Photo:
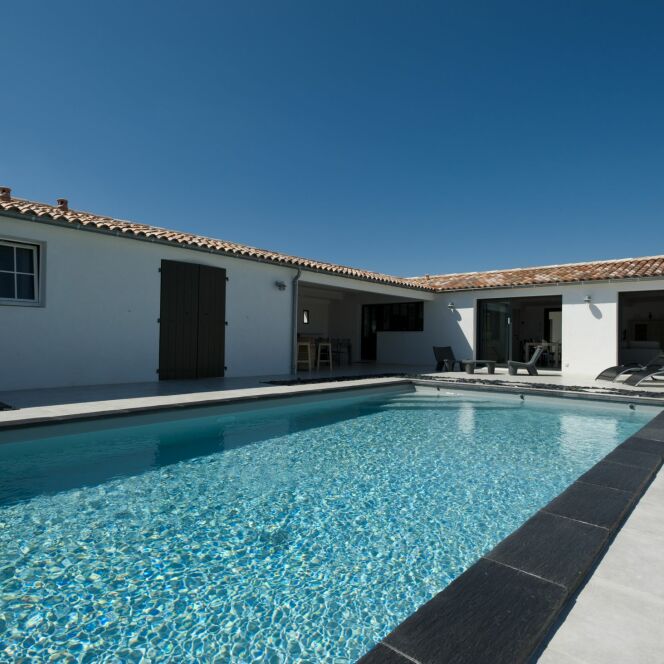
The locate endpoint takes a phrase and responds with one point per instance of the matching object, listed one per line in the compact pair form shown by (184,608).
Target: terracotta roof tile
(623,268)
(133,229)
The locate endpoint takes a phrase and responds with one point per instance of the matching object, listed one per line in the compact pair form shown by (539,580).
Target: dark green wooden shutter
(192,321)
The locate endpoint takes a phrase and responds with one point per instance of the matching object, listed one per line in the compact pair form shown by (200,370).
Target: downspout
(296,278)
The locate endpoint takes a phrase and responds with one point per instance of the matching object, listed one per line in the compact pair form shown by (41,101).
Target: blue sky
(407,137)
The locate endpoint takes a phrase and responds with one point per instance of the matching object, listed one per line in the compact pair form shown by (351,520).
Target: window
(19,272)
(402,317)
(305,316)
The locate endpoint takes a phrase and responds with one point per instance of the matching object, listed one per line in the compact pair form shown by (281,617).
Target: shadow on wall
(595,311)
(453,335)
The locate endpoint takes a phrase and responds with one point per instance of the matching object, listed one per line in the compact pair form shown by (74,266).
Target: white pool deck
(87,401)
(61,402)
(617,617)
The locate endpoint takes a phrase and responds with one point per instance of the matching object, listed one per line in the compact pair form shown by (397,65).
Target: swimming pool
(297,533)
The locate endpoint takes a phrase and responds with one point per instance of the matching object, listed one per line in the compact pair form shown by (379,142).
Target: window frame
(38,249)
(400,316)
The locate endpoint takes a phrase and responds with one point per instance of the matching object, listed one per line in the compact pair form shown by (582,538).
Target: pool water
(291,534)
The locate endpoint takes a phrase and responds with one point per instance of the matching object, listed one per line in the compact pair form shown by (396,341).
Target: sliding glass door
(494,334)
(513,328)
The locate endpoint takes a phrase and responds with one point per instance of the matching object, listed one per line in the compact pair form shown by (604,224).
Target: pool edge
(636,398)
(89,411)
(503,608)
(171,402)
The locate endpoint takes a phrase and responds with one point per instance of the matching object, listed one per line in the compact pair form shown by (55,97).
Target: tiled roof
(131,229)
(624,268)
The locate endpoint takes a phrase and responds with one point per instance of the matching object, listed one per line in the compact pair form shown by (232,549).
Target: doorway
(641,325)
(495,325)
(192,321)
(511,329)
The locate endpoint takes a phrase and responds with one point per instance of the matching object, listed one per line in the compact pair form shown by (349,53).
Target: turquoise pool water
(292,534)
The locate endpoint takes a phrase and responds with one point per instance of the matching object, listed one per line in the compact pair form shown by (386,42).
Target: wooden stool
(304,355)
(324,354)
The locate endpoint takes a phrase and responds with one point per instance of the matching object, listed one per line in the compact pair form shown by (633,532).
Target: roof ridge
(538,267)
(638,267)
(25,206)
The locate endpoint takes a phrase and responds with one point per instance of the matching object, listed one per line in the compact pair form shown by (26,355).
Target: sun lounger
(445,360)
(651,371)
(513,366)
(613,373)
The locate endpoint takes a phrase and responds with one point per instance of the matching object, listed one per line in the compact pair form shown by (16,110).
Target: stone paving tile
(630,564)
(639,444)
(618,615)
(597,505)
(491,613)
(617,476)
(654,430)
(554,656)
(383,655)
(648,517)
(552,547)
(634,458)
(611,625)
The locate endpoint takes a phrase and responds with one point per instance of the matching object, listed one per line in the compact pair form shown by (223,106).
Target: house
(87,299)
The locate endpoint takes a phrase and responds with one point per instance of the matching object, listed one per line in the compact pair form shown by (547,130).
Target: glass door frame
(502,328)
(481,339)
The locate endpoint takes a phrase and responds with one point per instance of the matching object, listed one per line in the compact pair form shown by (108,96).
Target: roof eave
(74,225)
(579,282)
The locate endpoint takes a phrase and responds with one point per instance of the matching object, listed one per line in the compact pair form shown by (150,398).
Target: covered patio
(346,321)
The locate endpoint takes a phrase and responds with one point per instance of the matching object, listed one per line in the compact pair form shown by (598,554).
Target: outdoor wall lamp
(588,299)
(281,285)
(450,306)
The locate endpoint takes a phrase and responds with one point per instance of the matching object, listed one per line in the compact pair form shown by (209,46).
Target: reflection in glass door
(494,332)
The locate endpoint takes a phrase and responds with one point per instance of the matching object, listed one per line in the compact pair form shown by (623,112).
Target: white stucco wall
(442,327)
(589,331)
(99,324)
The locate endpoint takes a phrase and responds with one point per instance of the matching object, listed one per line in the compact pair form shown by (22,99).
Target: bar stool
(304,355)
(324,354)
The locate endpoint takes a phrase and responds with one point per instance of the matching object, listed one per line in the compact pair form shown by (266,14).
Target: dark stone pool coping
(503,607)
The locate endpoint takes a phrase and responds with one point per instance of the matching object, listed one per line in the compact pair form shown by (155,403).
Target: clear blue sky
(407,137)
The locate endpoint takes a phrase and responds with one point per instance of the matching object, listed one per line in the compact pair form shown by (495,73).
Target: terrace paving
(550,377)
(53,404)
(618,616)
(57,402)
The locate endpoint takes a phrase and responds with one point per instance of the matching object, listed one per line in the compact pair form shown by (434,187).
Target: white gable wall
(99,319)
(98,323)
(589,335)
